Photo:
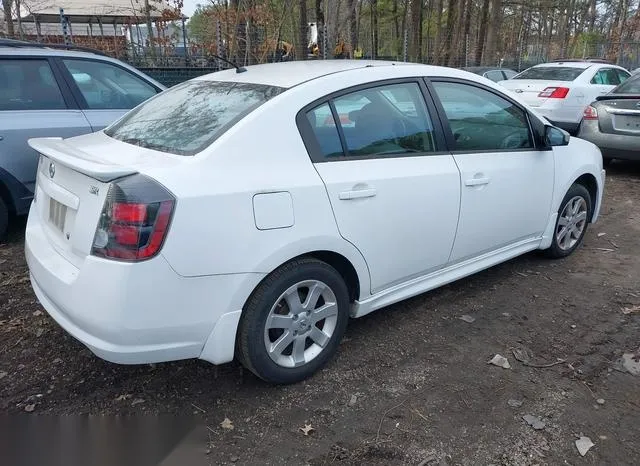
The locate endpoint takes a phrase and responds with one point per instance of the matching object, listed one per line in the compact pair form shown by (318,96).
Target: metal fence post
(64,25)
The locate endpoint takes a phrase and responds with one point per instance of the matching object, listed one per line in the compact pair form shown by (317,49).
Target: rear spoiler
(60,151)
(618,96)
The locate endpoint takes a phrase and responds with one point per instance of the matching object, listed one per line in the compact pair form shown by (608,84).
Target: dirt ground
(410,385)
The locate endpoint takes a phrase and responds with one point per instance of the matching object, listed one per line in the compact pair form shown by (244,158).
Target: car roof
(46,52)
(290,74)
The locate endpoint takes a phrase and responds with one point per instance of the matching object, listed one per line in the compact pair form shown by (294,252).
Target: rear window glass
(551,73)
(187,118)
(630,86)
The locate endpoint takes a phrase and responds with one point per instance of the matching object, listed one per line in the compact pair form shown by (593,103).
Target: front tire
(293,322)
(571,225)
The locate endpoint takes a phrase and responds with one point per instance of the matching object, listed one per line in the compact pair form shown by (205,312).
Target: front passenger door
(507,184)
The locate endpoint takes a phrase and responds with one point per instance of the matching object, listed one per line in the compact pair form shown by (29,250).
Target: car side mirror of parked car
(554,136)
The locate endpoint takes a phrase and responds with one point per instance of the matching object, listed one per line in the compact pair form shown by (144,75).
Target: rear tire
(571,225)
(4,220)
(293,322)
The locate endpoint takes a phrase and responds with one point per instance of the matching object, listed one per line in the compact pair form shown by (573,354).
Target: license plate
(626,123)
(57,214)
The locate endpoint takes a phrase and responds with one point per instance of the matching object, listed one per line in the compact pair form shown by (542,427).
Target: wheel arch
(591,184)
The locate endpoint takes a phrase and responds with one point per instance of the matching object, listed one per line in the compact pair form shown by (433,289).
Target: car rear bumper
(611,145)
(135,313)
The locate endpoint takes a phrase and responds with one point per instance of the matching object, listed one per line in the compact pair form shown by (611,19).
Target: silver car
(49,92)
(612,122)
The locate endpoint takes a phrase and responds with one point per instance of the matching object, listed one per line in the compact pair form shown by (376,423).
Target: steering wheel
(512,140)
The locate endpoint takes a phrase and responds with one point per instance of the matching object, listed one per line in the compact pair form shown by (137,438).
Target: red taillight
(590,113)
(130,213)
(554,92)
(134,221)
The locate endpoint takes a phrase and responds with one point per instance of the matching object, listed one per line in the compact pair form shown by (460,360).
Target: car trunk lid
(619,114)
(528,90)
(71,188)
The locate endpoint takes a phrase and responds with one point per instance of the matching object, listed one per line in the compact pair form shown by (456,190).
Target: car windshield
(187,118)
(551,73)
(630,86)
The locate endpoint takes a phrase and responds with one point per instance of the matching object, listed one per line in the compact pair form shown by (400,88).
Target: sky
(190,6)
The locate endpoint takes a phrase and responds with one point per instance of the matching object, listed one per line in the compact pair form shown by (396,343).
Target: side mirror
(554,136)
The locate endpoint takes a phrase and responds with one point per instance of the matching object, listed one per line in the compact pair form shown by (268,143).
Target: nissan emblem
(52,170)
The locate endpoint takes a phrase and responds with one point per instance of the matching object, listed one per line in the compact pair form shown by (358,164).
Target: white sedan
(562,90)
(250,214)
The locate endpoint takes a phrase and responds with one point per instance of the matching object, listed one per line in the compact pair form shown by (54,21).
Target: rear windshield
(551,73)
(188,117)
(630,86)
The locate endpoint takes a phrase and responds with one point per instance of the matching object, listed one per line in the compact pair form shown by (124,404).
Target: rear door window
(386,120)
(495,75)
(188,117)
(29,85)
(630,86)
(108,87)
(606,77)
(551,73)
(622,75)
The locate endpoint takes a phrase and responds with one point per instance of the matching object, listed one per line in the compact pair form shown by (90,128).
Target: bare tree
(7,6)
(302,32)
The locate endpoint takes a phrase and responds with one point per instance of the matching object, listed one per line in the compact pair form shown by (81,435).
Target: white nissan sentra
(250,213)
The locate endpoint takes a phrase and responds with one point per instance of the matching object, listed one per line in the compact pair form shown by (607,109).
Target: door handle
(476,182)
(357,194)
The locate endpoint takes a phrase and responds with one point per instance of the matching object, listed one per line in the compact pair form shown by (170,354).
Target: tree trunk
(320,26)
(352,24)
(495,24)
(302,32)
(415,21)
(451,20)
(437,43)
(8,16)
(374,27)
(484,17)
(396,26)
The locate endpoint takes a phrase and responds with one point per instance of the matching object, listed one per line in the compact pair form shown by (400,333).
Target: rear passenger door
(394,189)
(105,91)
(603,82)
(34,102)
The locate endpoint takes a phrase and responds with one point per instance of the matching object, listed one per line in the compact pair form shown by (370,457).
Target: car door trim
(311,143)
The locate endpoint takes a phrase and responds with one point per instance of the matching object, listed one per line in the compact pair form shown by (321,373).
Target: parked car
(47,91)
(494,74)
(560,91)
(612,122)
(249,214)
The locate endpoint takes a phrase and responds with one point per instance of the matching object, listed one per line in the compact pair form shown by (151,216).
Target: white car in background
(249,214)
(560,91)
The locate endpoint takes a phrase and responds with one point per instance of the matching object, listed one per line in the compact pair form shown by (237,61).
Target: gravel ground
(411,383)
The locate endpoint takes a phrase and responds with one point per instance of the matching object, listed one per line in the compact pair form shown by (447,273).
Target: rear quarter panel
(214,230)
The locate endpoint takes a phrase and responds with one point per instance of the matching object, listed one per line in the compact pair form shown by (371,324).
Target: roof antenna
(239,69)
